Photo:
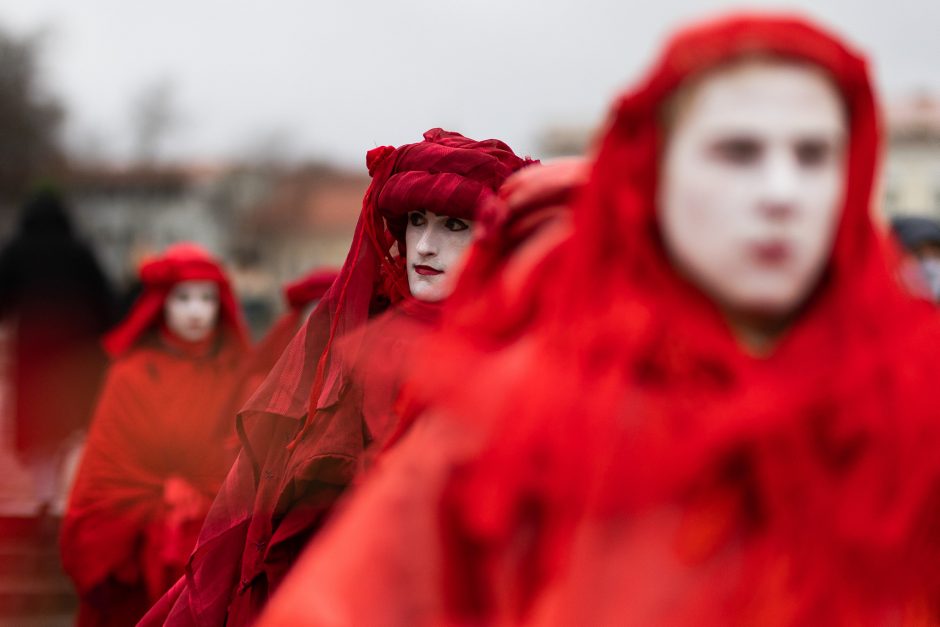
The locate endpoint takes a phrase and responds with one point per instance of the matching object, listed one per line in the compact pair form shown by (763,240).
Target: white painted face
(435,246)
(191,309)
(752,186)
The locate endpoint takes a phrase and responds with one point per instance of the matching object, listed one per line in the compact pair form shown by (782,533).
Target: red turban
(309,288)
(446,172)
(181,262)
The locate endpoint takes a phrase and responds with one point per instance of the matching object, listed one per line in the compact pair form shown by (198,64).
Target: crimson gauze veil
(305,430)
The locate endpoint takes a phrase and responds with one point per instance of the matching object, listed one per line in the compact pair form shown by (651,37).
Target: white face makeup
(192,309)
(435,246)
(753,178)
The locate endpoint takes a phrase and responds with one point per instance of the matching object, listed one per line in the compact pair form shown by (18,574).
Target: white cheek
(703,218)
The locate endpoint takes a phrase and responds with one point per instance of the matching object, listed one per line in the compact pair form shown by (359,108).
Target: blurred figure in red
(58,303)
(716,408)
(330,397)
(301,296)
(155,454)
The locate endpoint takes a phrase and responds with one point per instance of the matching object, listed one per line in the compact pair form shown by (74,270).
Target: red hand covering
(304,429)
(154,455)
(637,467)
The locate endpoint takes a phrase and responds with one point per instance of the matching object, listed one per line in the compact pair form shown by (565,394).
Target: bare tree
(153,117)
(30,119)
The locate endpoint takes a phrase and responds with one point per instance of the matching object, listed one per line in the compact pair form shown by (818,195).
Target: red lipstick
(427,271)
(772,253)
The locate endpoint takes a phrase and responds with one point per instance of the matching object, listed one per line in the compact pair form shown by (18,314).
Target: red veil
(305,428)
(300,295)
(636,465)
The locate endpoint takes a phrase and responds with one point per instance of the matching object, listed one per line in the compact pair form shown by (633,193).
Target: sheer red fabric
(300,295)
(155,454)
(629,463)
(307,427)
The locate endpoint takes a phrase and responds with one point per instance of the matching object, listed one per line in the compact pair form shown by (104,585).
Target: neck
(422,310)
(758,334)
(176,344)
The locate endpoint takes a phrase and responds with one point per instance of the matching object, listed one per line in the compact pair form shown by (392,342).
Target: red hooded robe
(629,463)
(305,430)
(123,543)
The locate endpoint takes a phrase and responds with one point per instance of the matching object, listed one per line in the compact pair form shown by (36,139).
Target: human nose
(427,245)
(781,184)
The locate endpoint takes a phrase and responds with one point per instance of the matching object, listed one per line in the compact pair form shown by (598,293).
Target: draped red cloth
(154,457)
(607,454)
(305,430)
(300,295)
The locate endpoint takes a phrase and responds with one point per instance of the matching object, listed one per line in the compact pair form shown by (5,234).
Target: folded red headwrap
(181,262)
(309,288)
(447,174)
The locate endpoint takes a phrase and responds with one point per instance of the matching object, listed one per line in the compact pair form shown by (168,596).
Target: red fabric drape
(629,463)
(300,295)
(155,454)
(306,428)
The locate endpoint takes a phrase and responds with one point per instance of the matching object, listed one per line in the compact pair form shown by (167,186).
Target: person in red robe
(155,454)
(666,437)
(329,399)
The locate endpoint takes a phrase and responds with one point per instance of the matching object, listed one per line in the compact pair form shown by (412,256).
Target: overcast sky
(333,78)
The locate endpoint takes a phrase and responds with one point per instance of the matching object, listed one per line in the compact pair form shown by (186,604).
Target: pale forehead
(767,98)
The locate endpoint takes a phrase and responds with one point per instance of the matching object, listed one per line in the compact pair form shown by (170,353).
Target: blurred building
(912,164)
(564,141)
(270,224)
(130,213)
(911,175)
(306,220)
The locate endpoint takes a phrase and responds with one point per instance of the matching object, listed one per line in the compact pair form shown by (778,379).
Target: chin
(428,296)
(426,291)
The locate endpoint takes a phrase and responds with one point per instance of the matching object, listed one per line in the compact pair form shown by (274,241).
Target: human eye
(738,150)
(811,153)
(456,224)
(416,218)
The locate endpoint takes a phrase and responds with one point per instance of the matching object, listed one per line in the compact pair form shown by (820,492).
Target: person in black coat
(57,302)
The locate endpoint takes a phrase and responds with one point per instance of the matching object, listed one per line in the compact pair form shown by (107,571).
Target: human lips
(772,253)
(427,270)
